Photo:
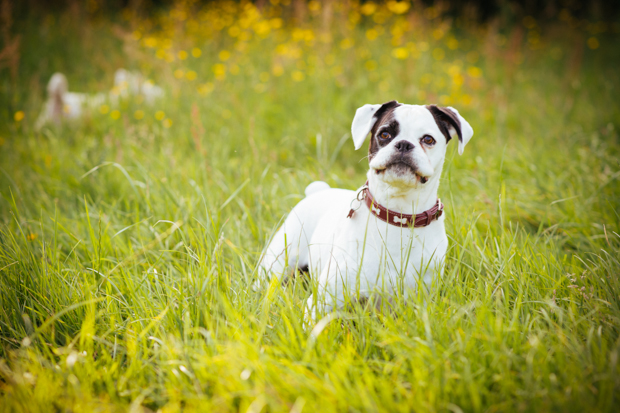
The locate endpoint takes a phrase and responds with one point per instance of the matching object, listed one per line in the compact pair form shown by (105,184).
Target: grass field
(129,239)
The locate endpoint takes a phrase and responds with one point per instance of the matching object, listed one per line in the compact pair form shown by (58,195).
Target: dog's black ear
(450,122)
(365,118)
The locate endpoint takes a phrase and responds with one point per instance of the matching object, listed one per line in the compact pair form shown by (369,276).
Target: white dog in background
(389,235)
(128,83)
(64,105)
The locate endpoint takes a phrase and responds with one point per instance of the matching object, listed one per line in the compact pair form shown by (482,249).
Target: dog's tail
(316,186)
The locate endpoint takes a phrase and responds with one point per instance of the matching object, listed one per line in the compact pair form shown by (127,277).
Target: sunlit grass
(129,240)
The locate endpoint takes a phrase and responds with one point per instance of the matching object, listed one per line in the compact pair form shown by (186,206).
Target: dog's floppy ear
(366,117)
(363,122)
(451,123)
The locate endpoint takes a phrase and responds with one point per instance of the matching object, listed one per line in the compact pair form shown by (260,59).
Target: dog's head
(408,142)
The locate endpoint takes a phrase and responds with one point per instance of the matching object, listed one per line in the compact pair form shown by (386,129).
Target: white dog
(389,235)
(128,83)
(64,105)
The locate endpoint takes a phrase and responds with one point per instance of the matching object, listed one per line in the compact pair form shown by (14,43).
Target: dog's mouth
(401,167)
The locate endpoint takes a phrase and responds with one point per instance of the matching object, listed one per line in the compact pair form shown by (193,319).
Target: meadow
(129,239)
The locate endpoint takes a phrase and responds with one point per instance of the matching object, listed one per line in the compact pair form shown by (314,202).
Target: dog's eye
(385,135)
(428,140)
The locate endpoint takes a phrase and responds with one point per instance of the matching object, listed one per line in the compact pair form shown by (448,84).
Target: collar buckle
(359,197)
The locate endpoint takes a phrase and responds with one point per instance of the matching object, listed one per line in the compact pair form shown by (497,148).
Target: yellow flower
(224,55)
(205,88)
(19,116)
(31,236)
(474,71)
(452,43)
(262,28)
(457,80)
(160,53)
(167,123)
(138,114)
(281,49)
(179,73)
(368,8)
(398,7)
(297,76)
(182,54)
(309,35)
(234,31)
(115,114)
(160,115)
(372,34)
(276,23)
(219,70)
(191,75)
(370,65)
(593,43)
(400,53)
(346,44)
(454,70)
(314,5)
(104,109)
(196,52)
(150,42)
(297,34)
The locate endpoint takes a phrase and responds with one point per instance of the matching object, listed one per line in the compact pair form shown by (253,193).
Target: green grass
(127,249)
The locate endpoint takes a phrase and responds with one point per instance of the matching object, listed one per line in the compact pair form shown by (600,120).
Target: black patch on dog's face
(385,123)
(446,119)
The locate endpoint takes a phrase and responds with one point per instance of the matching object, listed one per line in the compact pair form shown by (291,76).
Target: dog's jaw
(403,171)
(405,196)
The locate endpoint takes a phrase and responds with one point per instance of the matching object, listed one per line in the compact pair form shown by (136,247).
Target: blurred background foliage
(164,37)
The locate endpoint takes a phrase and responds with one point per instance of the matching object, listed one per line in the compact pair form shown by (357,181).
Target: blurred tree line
(470,10)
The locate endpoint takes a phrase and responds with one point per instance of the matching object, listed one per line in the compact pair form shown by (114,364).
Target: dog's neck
(404,199)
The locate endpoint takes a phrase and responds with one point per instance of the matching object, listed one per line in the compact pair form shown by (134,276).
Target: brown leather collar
(396,218)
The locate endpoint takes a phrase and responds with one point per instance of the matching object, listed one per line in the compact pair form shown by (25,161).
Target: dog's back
(288,250)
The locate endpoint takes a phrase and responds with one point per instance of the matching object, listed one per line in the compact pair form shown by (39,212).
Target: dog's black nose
(404,146)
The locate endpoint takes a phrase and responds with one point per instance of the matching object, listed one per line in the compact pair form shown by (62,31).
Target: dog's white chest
(368,252)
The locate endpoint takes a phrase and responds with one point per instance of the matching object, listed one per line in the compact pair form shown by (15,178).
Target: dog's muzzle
(403,162)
